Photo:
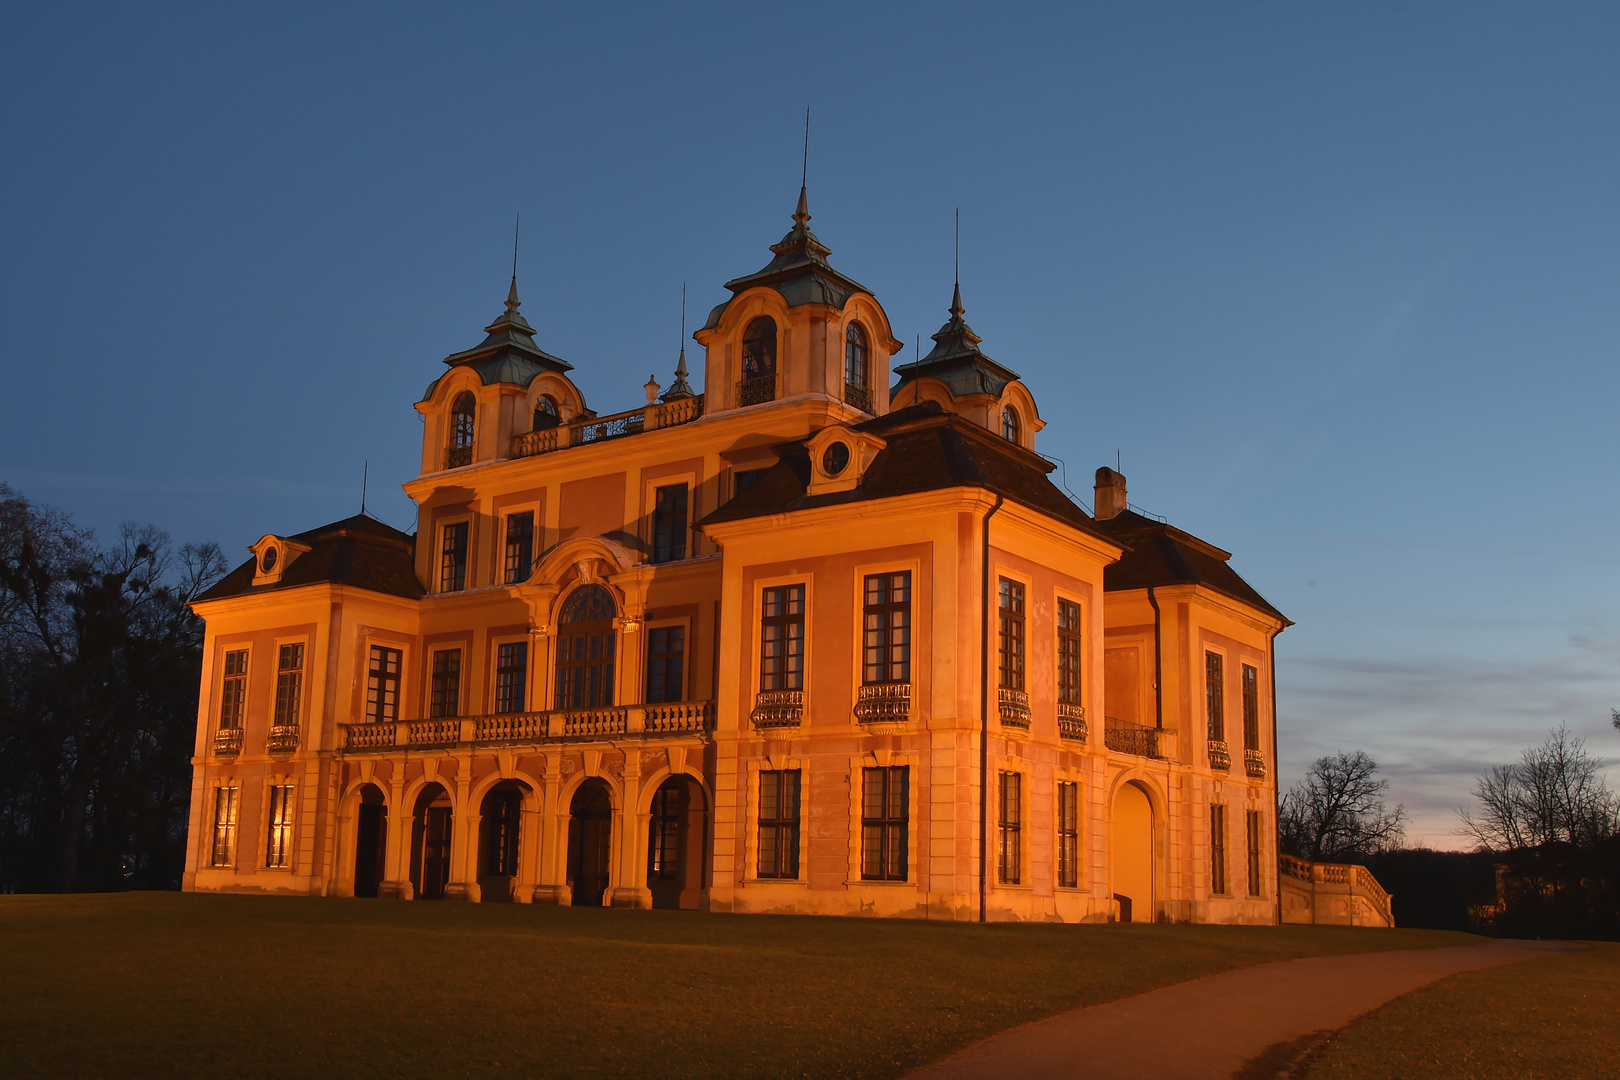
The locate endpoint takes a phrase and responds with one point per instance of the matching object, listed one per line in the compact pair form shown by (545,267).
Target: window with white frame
(233,690)
(289,684)
(778,824)
(278,845)
(382,685)
(885,820)
(1068,834)
(226,800)
(1010,821)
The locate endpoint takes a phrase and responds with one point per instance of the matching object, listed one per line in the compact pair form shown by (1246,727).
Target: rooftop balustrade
(602,428)
(671,718)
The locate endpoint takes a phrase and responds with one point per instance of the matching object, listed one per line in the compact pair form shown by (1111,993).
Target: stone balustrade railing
(1346,877)
(661,414)
(670,718)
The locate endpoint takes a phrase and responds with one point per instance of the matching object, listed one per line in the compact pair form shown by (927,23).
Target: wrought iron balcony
(283,739)
(1254,764)
(1013,707)
(228,742)
(756,391)
(858,396)
(883,703)
(602,428)
(1220,756)
(457,456)
(1124,737)
(1072,722)
(668,718)
(778,708)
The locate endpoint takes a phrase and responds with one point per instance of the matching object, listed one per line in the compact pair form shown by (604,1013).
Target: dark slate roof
(360,552)
(800,270)
(508,353)
(927,449)
(957,360)
(1160,554)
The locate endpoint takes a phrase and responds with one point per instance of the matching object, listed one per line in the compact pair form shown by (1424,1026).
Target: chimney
(1110,494)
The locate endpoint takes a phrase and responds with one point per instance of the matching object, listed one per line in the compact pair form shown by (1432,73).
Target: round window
(267,561)
(835,459)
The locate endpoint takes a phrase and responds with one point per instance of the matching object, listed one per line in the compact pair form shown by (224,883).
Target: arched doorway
(370,842)
(498,834)
(590,843)
(585,649)
(675,844)
(1131,847)
(430,843)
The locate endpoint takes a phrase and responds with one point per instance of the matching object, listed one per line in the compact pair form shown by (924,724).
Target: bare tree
(1554,794)
(1338,811)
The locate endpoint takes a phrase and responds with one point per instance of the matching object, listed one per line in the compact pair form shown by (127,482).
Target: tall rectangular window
(225,802)
(1217,849)
(519,560)
(781,639)
(233,690)
(669,523)
(1068,652)
(886,645)
(444,696)
(1215,696)
(1257,883)
(1009,864)
(885,814)
(1068,834)
(1251,708)
(382,686)
(666,656)
(278,846)
(289,684)
(511,675)
(779,823)
(1011,652)
(453,558)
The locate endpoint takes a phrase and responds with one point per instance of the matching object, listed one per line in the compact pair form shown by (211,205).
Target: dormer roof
(360,552)
(799,271)
(508,353)
(957,361)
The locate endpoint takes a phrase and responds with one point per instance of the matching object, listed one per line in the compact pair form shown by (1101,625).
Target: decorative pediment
(272,555)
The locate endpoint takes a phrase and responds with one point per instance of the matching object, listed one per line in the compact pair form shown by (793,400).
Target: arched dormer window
(1010,427)
(463,422)
(856,374)
(759,363)
(585,649)
(546,414)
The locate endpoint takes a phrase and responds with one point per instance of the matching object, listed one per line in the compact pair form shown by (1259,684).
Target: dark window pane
(669,523)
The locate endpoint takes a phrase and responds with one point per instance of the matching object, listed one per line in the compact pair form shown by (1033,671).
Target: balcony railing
(228,742)
(1013,707)
(1220,756)
(883,703)
(757,391)
(602,428)
(1356,880)
(457,456)
(283,739)
(1124,737)
(671,718)
(777,709)
(1254,764)
(1072,722)
(858,396)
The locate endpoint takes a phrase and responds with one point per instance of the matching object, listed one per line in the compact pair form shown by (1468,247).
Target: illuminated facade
(822,638)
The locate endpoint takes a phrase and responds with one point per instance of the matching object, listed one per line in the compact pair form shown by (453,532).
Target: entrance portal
(1131,847)
(675,844)
(498,841)
(430,844)
(371,842)
(590,843)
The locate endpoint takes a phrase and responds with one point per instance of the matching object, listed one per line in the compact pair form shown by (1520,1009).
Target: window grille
(546,413)
(781,644)
(1217,849)
(1215,697)
(666,655)
(501,833)
(666,834)
(885,814)
(289,684)
(1251,708)
(669,523)
(466,411)
(225,804)
(278,849)
(1257,882)
(887,636)
(382,685)
(1011,652)
(519,562)
(511,676)
(585,649)
(779,824)
(1068,652)
(444,698)
(1010,426)
(759,349)
(453,558)
(1068,830)
(1008,850)
(233,690)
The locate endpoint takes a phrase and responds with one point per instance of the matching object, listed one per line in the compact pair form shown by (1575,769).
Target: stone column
(632,891)
(551,839)
(396,882)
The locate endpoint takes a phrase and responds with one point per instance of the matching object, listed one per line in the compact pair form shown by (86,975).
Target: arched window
(585,649)
(465,412)
(1009,424)
(759,348)
(855,357)
(546,415)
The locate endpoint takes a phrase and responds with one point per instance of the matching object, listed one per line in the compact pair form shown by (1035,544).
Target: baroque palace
(821,638)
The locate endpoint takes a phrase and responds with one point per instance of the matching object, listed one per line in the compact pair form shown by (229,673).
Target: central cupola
(797,328)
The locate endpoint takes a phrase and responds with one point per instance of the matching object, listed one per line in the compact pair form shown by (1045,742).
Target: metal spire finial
(512,302)
(365,478)
(957,310)
(801,216)
(680,387)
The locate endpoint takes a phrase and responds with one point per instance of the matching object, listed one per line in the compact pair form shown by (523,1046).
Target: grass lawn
(1557,1017)
(163,984)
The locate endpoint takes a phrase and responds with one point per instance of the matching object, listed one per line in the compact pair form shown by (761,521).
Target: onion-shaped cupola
(508,354)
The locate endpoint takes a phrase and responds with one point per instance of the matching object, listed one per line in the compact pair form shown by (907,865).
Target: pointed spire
(512,301)
(801,216)
(956,308)
(680,388)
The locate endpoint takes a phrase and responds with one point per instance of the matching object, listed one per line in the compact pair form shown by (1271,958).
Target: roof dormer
(271,557)
(839,458)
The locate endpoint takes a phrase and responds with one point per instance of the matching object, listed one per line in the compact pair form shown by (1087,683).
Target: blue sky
(1337,283)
